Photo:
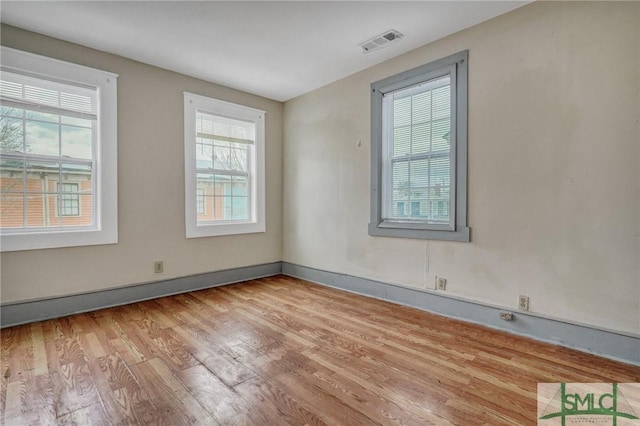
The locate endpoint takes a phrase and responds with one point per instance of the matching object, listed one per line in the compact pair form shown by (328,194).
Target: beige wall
(554,169)
(150,187)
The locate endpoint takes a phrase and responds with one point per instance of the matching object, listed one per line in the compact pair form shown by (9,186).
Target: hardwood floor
(278,351)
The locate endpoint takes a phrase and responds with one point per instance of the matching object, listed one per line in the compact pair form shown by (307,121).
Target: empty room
(320,213)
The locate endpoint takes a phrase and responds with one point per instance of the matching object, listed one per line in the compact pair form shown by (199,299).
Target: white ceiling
(271,48)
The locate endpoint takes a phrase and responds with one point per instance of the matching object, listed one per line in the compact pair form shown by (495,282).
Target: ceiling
(275,49)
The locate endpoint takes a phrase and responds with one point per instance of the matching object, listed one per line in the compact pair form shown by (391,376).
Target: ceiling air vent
(380,41)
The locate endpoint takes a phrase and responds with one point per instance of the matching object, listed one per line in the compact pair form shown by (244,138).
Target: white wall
(150,187)
(554,169)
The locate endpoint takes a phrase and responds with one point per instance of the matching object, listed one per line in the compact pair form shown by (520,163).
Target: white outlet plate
(523,303)
(441,283)
(158,267)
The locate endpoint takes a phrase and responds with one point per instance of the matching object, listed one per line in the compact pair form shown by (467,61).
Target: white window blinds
(37,94)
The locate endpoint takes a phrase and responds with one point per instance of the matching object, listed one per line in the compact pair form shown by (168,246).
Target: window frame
(456,66)
(256,223)
(104,230)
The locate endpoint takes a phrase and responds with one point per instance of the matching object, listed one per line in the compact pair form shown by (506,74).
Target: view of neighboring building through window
(224,167)
(418,127)
(58,153)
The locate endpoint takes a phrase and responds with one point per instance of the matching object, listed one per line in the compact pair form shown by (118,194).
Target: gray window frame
(457,67)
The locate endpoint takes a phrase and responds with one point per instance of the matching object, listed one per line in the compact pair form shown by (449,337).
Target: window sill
(225,229)
(57,239)
(462,234)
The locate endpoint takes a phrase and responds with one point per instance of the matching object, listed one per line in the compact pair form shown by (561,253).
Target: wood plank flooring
(278,351)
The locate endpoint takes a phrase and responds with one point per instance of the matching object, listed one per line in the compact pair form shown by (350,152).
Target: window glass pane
(41,210)
(415,209)
(440,172)
(238,158)
(421,136)
(222,185)
(204,156)
(421,107)
(11,176)
(221,158)
(402,112)
(441,102)
(240,186)
(439,190)
(77,142)
(11,134)
(401,190)
(11,111)
(224,205)
(239,208)
(41,176)
(400,175)
(85,217)
(11,210)
(200,201)
(441,135)
(42,138)
(206,208)
(80,174)
(419,174)
(401,141)
(399,209)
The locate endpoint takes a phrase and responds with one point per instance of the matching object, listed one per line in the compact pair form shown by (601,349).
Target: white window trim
(105,230)
(457,230)
(193,103)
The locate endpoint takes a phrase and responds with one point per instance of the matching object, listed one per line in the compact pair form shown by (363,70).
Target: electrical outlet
(523,303)
(507,316)
(158,267)
(441,283)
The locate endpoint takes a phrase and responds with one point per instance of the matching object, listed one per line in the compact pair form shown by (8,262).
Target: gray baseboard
(607,343)
(23,312)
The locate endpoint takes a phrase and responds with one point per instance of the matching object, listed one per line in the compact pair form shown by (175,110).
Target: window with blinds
(47,141)
(224,167)
(419,167)
(419,147)
(58,153)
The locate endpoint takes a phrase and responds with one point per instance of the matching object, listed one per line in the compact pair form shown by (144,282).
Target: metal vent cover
(380,41)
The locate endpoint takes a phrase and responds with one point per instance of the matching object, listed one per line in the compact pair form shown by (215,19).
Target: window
(58,153)
(224,167)
(69,204)
(419,152)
